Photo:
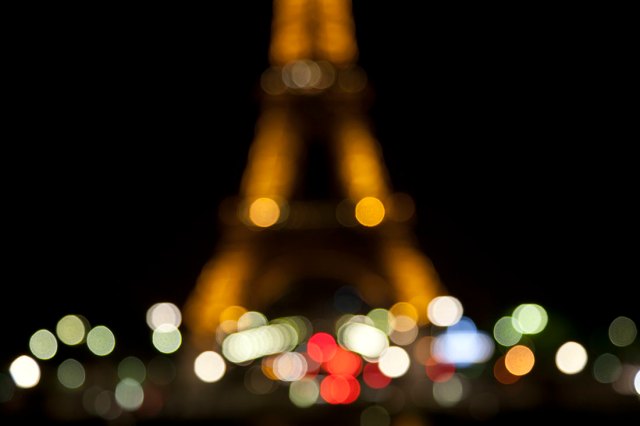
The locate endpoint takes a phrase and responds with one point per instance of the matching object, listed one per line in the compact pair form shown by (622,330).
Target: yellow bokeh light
(519,360)
(264,212)
(101,340)
(71,330)
(403,309)
(166,339)
(571,358)
(370,211)
(529,318)
(505,333)
(43,344)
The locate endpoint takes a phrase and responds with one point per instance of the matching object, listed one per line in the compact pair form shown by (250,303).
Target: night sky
(123,131)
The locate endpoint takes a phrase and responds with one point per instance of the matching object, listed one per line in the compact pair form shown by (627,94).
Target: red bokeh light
(439,371)
(336,389)
(344,363)
(374,378)
(322,347)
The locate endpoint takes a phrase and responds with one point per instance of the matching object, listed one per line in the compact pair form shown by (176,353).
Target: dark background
(124,129)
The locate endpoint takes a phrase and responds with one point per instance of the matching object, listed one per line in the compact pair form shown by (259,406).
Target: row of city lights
(265,212)
(320,368)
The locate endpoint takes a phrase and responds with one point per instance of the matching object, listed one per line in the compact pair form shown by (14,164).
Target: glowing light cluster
(257,342)
(363,339)
(529,318)
(462,344)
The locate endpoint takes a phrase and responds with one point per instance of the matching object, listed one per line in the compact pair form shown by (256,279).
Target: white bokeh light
(394,362)
(25,371)
(571,358)
(209,366)
(445,311)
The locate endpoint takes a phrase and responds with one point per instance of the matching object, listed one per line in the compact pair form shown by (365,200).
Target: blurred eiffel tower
(301,227)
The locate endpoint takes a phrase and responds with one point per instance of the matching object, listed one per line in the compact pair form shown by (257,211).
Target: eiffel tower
(301,227)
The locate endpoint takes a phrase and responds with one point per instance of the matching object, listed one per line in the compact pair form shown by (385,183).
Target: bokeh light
(607,368)
(501,373)
(571,358)
(133,368)
(304,393)
(373,377)
(251,319)
(636,382)
(369,211)
(25,371)
(43,344)
(129,394)
(505,333)
(439,371)
(257,342)
(401,207)
(405,331)
(444,311)
(530,318)
(462,344)
(163,313)
(166,338)
(449,393)
(363,339)
(321,347)
(519,360)
(71,373)
(381,319)
(622,331)
(101,341)
(375,415)
(264,212)
(394,362)
(339,389)
(422,349)
(209,366)
(290,366)
(71,330)
(344,363)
